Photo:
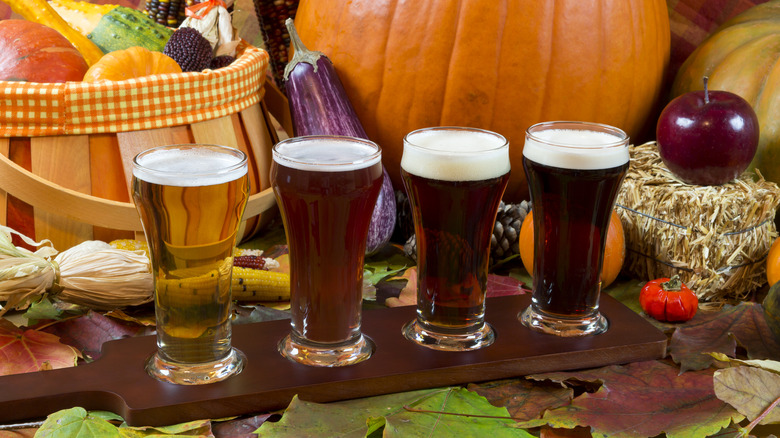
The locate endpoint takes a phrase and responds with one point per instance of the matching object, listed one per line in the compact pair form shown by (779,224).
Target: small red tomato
(668,300)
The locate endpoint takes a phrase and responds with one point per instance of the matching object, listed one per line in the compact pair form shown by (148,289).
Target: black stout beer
(574,171)
(326,188)
(454,178)
(190,199)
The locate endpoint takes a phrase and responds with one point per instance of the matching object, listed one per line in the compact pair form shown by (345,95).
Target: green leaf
(455,412)
(42,309)
(359,418)
(643,399)
(750,391)
(76,423)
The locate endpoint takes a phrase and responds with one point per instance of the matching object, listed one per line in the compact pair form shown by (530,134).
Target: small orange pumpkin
(614,253)
(133,62)
(773,263)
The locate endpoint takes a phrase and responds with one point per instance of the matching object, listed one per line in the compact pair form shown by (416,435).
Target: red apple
(707,137)
(33,52)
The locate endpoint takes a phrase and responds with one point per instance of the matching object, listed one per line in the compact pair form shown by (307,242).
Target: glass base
(326,355)
(195,374)
(449,341)
(563,327)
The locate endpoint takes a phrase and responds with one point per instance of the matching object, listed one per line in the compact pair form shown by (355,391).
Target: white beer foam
(326,154)
(576,149)
(455,155)
(189,167)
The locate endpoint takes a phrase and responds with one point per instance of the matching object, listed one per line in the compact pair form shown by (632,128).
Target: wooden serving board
(118,383)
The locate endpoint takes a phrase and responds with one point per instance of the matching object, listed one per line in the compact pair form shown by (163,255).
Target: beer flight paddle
(118,383)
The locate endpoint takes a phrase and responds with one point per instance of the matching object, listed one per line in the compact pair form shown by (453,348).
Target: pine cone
(504,242)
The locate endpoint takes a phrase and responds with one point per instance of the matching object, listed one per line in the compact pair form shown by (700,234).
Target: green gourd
(113,27)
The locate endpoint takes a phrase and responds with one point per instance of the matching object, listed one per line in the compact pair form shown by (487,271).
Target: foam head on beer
(452,154)
(330,154)
(189,167)
(576,148)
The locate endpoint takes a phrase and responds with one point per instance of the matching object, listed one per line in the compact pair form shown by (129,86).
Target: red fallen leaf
(497,286)
(88,332)
(23,351)
(525,400)
(643,399)
(242,427)
(720,332)
(503,285)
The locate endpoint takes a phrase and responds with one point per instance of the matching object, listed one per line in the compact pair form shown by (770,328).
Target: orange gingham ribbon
(156,101)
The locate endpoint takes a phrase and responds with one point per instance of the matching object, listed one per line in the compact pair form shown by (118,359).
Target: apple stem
(706,92)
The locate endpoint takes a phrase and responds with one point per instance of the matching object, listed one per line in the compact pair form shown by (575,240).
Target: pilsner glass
(455,178)
(191,199)
(326,188)
(574,171)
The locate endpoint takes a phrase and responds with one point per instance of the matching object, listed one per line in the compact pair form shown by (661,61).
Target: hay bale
(715,237)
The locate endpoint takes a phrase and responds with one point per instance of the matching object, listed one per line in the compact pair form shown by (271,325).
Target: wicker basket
(66,149)
(715,238)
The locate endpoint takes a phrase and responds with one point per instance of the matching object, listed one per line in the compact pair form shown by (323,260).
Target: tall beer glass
(326,188)
(190,199)
(455,178)
(574,171)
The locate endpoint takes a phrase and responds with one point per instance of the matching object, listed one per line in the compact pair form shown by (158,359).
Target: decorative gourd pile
(117,42)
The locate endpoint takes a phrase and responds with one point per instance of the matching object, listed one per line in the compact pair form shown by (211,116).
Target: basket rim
(155,101)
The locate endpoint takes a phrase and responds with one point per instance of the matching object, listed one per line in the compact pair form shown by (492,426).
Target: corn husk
(716,238)
(92,274)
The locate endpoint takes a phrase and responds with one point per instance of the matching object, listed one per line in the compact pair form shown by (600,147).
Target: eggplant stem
(301,53)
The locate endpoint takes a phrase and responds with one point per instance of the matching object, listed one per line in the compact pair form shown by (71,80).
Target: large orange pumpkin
(743,56)
(494,64)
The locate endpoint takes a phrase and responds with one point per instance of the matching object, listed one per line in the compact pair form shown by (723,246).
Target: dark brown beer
(326,213)
(574,171)
(572,210)
(453,224)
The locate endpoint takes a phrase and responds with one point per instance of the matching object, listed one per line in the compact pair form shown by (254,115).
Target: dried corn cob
(167,12)
(259,285)
(271,14)
(248,284)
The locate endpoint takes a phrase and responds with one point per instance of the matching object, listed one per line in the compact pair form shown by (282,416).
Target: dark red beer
(454,222)
(455,178)
(326,203)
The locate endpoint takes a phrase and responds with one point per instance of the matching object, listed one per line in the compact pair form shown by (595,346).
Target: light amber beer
(191,199)
(574,171)
(326,188)
(455,178)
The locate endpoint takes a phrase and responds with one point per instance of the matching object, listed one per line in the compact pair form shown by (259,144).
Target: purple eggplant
(320,106)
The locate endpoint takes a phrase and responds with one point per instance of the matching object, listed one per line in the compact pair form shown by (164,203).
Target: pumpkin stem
(674,284)
(301,53)
(705,79)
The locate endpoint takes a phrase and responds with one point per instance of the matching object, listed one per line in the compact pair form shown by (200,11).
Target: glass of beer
(326,188)
(454,178)
(191,199)
(574,171)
